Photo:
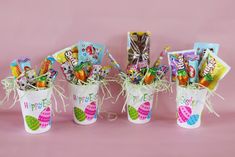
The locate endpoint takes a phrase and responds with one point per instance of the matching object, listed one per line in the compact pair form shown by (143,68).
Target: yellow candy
(215,67)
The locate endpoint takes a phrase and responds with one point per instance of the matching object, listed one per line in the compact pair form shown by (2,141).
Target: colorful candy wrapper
(31,75)
(161,71)
(138,47)
(24,63)
(212,69)
(202,47)
(91,52)
(69,57)
(113,61)
(52,74)
(192,68)
(182,75)
(22,82)
(15,69)
(42,82)
(172,61)
(94,74)
(46,65)
(60,55)
(150,76)
(82,71)
(104,71)
(162,54)
(133,73)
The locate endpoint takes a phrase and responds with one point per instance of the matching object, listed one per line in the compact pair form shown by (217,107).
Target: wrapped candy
(24,63)
(104,71)
(60,55)
(172,56)
(91,52)
(192,68)
(202,47)
(182,75)
(15,69)
(212,69)
(150,76)
(138,47)
(94,75)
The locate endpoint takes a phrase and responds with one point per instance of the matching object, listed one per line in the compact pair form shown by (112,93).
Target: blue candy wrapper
(24,63)
(202,47)
(91,52)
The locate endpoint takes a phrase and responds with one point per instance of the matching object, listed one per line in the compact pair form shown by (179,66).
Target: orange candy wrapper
(212,70)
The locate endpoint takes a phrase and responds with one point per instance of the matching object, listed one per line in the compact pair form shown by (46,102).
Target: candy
(52,74)
(150,76)
(184,113)
(201,48)
(138,47)
(182,75)
(193,68)
(133,73)
(113,61)
(104,71)
(90,111)
(45,66)
(172,60)
(161,71)
(212,69)
(144,110)
(79,114)
(41,82)
(132,112)
(89,51)
(44,117)
(60,55)
(82,71)
(32,122)
(94,74)
(160,58)
(69,56)
(22,82)
(15,69)
(24,63)
(31,75)
(67,70)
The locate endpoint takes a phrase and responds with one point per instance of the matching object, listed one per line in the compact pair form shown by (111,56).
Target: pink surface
(38,28)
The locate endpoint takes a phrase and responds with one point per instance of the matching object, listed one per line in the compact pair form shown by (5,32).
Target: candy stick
(113,61)
(162,54)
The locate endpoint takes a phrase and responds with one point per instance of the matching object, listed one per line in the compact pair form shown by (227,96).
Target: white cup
(85,103)
(139,103)
(190,104)
(36,110)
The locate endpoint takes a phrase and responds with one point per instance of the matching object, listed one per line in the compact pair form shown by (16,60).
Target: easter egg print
(79,114)
(132,112)
(144,110)
(45,117)
(90,111)
(32,122)
(184,112)
(193,119)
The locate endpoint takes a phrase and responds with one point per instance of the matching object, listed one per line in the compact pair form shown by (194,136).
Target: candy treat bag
(34,92)
(195,84)
(141,81)
(85,75)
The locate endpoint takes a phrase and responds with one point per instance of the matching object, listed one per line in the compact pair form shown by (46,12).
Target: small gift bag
(84,99)
(139,102)
(36,110)
(190,103)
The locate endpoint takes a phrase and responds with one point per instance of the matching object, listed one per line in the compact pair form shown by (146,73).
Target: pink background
(38,28)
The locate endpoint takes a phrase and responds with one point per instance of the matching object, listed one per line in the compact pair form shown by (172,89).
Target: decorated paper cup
(139,103)
(85,103)
(36,110)
(190,104)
